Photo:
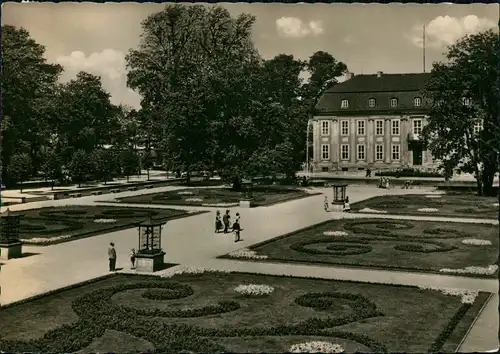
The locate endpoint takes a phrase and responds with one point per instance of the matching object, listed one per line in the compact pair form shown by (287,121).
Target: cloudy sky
(367,37)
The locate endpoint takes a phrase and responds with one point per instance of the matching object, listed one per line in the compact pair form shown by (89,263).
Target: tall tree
(52,166)
(20,168)
(463,129)
(80,166)
(28,83)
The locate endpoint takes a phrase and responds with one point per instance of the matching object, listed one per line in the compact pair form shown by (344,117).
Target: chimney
(379,73)
(350,75)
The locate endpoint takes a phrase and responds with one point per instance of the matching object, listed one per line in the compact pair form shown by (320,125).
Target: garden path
(191,241)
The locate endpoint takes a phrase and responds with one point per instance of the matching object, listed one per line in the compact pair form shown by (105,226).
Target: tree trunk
(188,178)
(21,186)
(128,178)
(52,185)
(487,181)
(237,183)
(147,170)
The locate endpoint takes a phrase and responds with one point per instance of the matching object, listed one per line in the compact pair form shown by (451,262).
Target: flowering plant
(41,240)
(104,221)
(194,270)
(222,205)
(472,270)
(316,347)
(246,253)
(495,204)
(468,296)
(370,210)
(185,193)
(433,196)
(193,200)
(476,242)
(254,289)
(429,210)
(335,233)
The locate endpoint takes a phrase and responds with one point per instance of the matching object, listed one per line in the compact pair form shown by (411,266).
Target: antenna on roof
(423,47)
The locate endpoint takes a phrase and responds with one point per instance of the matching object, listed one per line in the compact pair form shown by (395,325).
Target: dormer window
(344,104)
(371,103)
(394,102)
(466,101)
(417,102)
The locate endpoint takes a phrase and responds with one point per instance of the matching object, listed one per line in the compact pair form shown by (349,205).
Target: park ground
(56,266)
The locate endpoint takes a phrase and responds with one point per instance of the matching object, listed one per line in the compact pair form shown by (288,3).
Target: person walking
(218,222)
(112,257)
(132,258)
(325,203)
(226,219)
(237,228)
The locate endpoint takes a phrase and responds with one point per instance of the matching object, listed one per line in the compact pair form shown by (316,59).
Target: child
(237,228)
(132,258)
(326,203)
(347,207)
(218,222)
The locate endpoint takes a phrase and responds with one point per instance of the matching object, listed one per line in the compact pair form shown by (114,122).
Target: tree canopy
(463,128)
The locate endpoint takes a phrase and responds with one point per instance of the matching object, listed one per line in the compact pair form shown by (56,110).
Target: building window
(394,102)
(417,101)
(417,126)
(344,151)
(478,126)
(325,127)
(371,102)
(379,152)
(395,127)
(395,151)
(361,127)
(344,104)
(361,152)
(344,124)
(379,127)
(325,152)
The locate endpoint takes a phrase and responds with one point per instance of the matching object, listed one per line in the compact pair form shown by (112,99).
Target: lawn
(46,226)
(205,313)
(218,197)
(423,246)
(451,204)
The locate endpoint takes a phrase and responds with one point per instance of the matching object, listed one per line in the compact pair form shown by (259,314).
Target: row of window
(361,152)
(379,127)
(372,103)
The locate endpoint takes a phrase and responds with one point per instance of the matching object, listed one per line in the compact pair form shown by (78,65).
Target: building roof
(384,83)
(360,89)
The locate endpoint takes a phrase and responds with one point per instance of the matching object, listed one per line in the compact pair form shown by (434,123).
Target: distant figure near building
(368,173)
(226,219)
(218,222)
(112,257)
(237,228)
(132,258)
(347,207)
(325,203)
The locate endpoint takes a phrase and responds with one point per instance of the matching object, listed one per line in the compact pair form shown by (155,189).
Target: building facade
(371,121)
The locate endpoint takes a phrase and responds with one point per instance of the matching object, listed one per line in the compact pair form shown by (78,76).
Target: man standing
(225,220)
(112,257)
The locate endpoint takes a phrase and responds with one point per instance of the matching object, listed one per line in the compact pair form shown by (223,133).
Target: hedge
(409,172)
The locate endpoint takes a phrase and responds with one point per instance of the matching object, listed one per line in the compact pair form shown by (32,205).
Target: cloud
(110,65)
(295,28)
(350,39)
(445,30)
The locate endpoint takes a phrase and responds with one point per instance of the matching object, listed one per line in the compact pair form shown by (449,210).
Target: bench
(132,188)
(317,182)
(96,193)
(75,195)
(115,191)
(149,187)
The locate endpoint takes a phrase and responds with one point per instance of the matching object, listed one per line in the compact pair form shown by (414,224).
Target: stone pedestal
(10,250)
(337,207)
(149,262)
(246,203)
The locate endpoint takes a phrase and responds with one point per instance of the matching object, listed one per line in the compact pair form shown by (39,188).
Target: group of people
(346,206)
(112,257)
(384,183)
(225,222)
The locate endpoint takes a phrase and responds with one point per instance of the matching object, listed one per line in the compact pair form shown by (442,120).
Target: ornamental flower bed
(433,196)
(105,221)
(472,270)
(316,347)
(193,270)
(246,253)
(220,205)
(467,296)
(476,242)
(335,233)
(428,210)
(193,200)
(184,193)
(254,289)
(203,313)
(380,243)
(370,210)
(42,241)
